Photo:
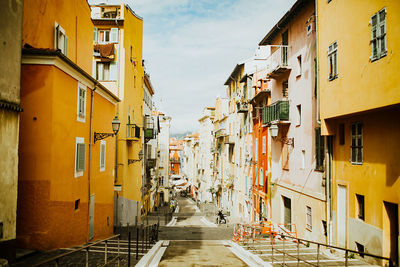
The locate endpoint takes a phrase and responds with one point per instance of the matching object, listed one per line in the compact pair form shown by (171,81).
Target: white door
(341,215)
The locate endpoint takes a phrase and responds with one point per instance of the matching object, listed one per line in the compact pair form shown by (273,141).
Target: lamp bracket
(288,141)
(130,161)
(100,136)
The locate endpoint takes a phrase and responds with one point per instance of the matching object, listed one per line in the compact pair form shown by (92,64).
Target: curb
(246,256)
(152,256)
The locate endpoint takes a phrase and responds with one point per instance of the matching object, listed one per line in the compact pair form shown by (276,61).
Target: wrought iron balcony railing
(278,111)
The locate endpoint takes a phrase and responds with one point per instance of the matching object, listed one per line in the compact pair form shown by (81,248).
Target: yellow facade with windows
(119,26)
(359,97)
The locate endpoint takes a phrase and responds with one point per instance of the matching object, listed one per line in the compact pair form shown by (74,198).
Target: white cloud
(191,46)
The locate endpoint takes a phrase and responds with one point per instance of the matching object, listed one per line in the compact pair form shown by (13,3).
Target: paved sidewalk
(199,253)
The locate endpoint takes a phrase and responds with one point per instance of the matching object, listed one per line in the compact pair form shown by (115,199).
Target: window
(104,36)
(80,156)
(378,35)
(298,115)
(309,218)
(285,156)
(356,143)
(319,150)
(287,212)
(341,134)
(106,71)
(299,68)
(60,39)
(261,177)
(360,248)
(77,202)
(264,144)
(332,57)
(285,86)
(303,159)
(360,207)
(102,155)
(81,106)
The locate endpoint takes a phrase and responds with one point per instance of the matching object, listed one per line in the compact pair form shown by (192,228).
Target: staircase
(287,253)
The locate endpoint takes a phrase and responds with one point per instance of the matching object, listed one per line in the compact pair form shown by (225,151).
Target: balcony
(242,107)
(220,133)
(278,62)
(132,132)
(276,112)
(229,139)
(149,132)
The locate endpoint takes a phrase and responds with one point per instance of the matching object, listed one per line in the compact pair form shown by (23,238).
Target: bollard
(129,248)
(318,255)
(119,259)
(87,257)
(137,242)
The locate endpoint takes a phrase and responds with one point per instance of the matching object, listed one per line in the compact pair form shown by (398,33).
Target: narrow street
(194,243)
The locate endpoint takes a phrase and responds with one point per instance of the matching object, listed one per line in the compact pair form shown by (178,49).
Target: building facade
(163,171)
(297,184)
(359,109)
(11,32)
(118,64)
(66,167)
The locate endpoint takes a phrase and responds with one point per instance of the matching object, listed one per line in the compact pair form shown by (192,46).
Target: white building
(162,171)
(205,155)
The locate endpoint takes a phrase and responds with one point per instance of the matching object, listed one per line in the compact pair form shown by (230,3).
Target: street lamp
(273,130)
(115,126)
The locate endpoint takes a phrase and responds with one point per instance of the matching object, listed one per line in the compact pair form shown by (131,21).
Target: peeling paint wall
(10,54)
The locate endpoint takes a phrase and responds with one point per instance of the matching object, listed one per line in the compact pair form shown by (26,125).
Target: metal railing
(319,245)
(56,259)
(277,111)
(279,58)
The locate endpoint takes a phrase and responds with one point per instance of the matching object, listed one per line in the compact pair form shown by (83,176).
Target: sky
(190,47)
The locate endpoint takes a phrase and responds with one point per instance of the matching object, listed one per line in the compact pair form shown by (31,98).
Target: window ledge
(377,58)
(333,78)
(356,163)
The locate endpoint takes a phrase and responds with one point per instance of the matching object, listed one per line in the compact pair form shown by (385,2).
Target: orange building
(261,151)
(65,173)
(175,148)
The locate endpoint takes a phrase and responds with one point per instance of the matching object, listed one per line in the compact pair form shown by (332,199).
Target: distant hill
(180,135)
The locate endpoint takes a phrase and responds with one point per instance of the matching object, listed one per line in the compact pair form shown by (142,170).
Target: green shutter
(114,35)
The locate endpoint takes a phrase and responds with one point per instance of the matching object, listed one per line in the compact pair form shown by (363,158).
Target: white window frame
(59,30)
(104,35)
(79,140)
(81,117)
(377,36)
(264,144)
(309,218)
(103,151)
(333,56)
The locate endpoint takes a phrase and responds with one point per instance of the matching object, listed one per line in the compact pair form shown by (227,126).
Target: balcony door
(285,43)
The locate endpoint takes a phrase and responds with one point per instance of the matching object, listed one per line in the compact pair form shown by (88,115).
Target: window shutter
(94,69)
(113,71)
(65,46)
(80,157)
(382,32)
(95,35)
(114,35)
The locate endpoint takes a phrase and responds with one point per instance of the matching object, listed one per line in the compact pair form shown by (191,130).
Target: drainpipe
(116,176)
(90,145)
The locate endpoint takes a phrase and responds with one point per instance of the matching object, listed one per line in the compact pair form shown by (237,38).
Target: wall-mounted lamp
(115,126)
(130,161)
(273,130)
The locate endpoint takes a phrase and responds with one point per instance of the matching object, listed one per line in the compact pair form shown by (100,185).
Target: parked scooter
(221,218)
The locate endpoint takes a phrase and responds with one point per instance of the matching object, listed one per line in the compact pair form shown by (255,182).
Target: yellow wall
(361,84)
(72,15)
(47,186)
(133,100)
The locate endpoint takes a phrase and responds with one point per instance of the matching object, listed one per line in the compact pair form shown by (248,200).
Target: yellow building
(65,190)
(10,32)
(118,36)
(359,88)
